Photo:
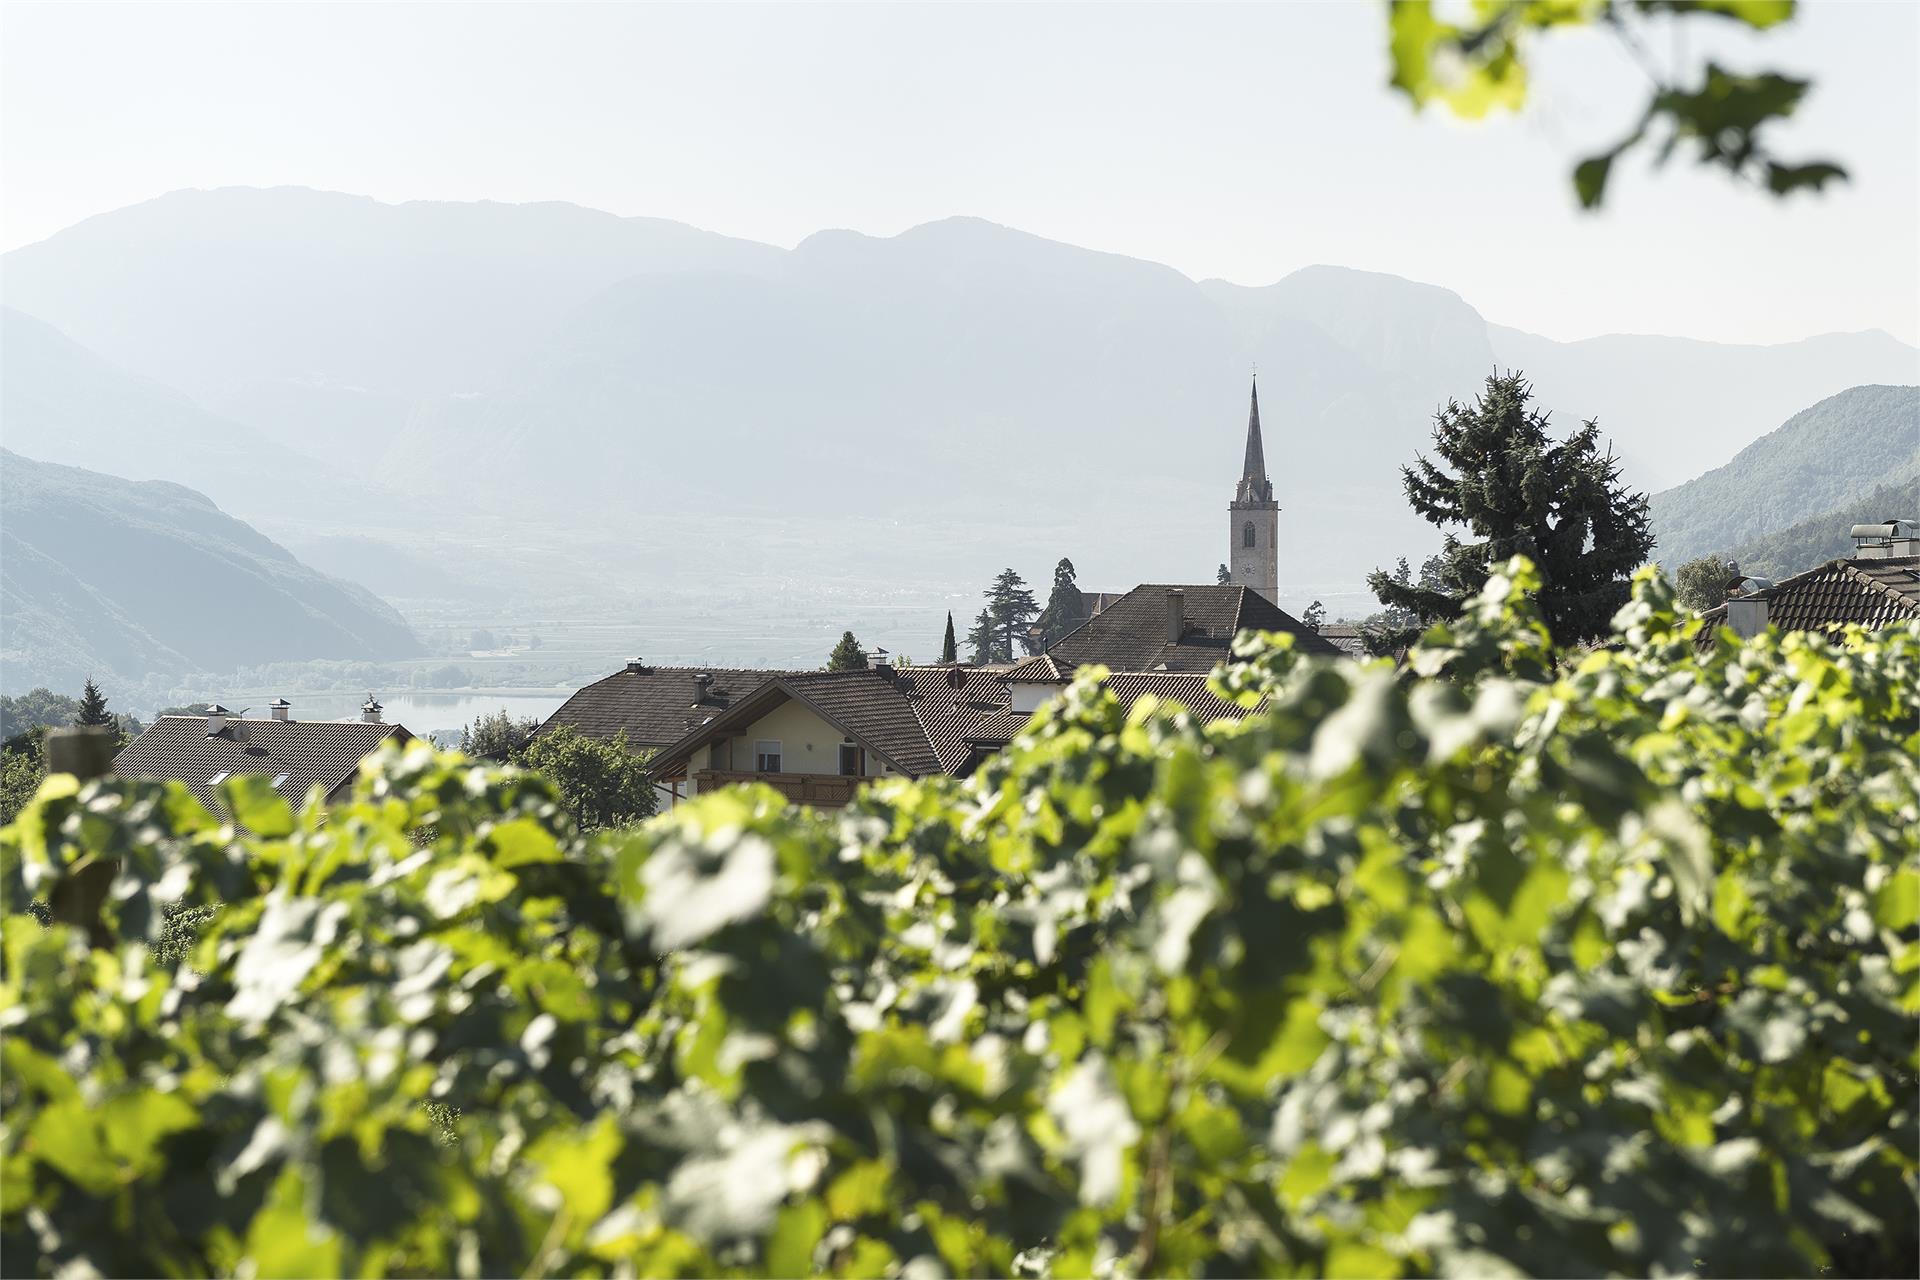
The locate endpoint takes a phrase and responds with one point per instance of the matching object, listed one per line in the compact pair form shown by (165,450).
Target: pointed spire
(1254,486)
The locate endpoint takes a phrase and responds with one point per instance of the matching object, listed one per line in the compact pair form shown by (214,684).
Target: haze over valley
(635,435)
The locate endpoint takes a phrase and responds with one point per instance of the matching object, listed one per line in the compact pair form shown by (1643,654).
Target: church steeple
(1254,485)
(1254,517)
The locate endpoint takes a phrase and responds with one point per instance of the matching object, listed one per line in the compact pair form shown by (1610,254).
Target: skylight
(279,778)
(217,778)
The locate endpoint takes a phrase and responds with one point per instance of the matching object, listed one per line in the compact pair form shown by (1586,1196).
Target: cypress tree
(1066,607)
(1515,490)
(949,652)
(93,706)
(847,655)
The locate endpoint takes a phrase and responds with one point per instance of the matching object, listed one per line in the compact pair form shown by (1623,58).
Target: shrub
(1603,964)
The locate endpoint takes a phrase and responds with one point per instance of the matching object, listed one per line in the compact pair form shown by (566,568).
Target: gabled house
(655,705)
(205,750)
(1877,586)
(1179,628)
(815,736)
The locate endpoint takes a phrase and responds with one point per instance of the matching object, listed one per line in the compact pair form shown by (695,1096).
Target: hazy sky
(1236,141)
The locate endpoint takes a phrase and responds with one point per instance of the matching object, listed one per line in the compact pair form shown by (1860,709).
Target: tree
(1221,576)
(1702,583)
(1012,607)
(1517,491)
(980,639)
(38,706)
(93,707)
(1066,607)
(603,783)
(23,763)
(1315,615)
(847,655)
(1721,116)
(498,737)
(949,652)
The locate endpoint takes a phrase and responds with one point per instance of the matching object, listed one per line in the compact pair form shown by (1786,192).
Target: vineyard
(1510,961)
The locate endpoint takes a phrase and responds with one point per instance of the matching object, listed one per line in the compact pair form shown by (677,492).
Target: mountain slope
(1675,407)
(60,402)
(1823,458)
(1823,537)
(109,576)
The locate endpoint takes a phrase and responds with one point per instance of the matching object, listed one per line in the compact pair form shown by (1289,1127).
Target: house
(1877,586)
(815,736)
(1348,637)
(205,750)
(1179,628)
(655,705)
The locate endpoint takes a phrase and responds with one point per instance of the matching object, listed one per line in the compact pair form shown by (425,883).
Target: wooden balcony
(821,790)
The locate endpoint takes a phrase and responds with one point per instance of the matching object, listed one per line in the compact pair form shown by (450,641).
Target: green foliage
(1853,458)
(1520,492)
(1315,615)
(23,763)
(498,737)
(1066,607)
(1702,584)
(38,708)
(982,645)
(847,655)
(949,650)
(1010,608)
(1498,963)
(601,783)
(1721,118)
(1221,576)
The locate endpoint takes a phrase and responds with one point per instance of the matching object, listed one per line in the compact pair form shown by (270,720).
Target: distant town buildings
(1877,586)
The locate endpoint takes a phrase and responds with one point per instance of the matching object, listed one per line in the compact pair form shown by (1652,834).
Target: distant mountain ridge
(555,365)
(1824,458)
(105,576)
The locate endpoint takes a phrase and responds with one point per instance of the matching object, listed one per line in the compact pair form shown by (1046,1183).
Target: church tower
(1255,518)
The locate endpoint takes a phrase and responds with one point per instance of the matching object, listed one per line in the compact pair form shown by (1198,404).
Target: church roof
(1254,485)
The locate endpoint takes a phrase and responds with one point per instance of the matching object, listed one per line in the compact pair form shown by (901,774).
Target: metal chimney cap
(279,702)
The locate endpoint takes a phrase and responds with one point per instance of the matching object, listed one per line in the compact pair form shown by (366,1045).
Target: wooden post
(86,752)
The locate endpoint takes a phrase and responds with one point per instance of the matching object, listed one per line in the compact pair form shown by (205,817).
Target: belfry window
(1246,535)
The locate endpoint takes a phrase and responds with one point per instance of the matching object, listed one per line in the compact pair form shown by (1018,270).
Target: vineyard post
(86,752)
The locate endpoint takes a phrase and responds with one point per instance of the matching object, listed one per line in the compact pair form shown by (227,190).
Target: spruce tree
(93,707)
(980,639)
(1012,607)
(1502,481)
(847,655)
(1066,607)
(949,652)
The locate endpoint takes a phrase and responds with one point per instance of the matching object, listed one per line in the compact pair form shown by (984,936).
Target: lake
(426,714)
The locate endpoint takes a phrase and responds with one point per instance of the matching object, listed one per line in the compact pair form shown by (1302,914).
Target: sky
(1234,141)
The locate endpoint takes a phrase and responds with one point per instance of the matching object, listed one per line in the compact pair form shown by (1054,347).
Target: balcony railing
(822,790)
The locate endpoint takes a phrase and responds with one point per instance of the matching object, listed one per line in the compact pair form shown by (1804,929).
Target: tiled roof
(655,705)
(322,753)
(873,709)
(1039,668)
(1347,637)
(1131,633)
(1873,593)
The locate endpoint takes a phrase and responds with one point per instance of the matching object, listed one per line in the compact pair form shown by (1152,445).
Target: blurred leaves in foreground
(1510,961)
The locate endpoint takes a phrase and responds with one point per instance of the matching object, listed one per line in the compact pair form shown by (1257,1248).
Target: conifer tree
(93,707)
(980,639)
(1221,576)
(847,655)
(1012,607)
(949,653)
(1502,481)
(1315,615)
(1066,607)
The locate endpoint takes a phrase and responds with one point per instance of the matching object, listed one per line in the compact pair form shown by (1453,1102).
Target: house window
(766,756)
(1246,535)
(217,778)
(279,779)
(853,760)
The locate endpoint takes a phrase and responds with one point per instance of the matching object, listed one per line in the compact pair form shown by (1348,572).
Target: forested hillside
(1826,457)
(100,576)
(1823,537)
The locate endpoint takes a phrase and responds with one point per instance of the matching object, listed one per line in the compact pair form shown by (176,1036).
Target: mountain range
(101,576)
(930,405)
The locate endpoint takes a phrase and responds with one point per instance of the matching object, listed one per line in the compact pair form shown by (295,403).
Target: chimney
(878,657)
(635,667)
(1888,540)
(1747,612)
(1176,614)
(702,687)
(280,707)
(216,719)
(370,711)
